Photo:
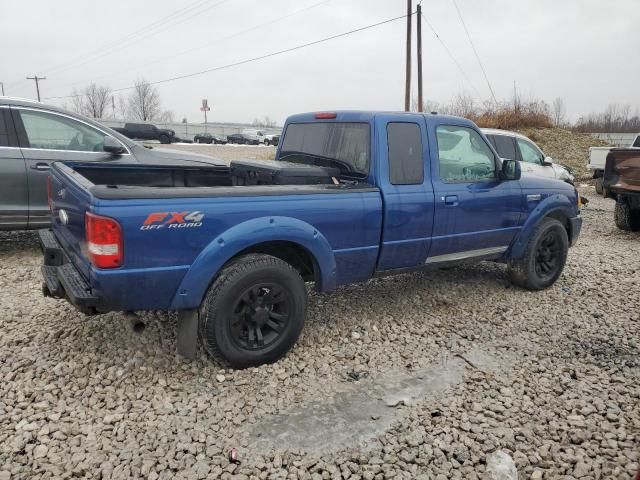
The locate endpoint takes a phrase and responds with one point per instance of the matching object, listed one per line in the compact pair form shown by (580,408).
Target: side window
(406,163)
(463,155)
(637,142)
(505,146)
(55,132)
(529,153)
(4,131)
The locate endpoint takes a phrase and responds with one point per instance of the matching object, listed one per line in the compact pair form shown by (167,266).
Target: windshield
(346,142)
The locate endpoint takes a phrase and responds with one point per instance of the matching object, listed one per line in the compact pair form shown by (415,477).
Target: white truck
(598,159)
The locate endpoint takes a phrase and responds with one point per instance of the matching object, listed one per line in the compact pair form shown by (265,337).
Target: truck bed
(345,219)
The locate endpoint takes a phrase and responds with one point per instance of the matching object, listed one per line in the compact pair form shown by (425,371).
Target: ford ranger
(351,195)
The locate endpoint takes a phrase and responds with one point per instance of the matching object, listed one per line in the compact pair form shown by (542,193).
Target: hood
(153,155)
(530,181)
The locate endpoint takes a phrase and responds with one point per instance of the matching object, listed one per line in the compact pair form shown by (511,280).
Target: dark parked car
(209,138)
(33,135)
(145,131)
(242,139)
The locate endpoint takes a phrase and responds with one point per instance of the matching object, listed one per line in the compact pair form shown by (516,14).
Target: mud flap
(187,342)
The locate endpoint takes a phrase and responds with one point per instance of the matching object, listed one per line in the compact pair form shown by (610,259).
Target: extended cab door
(403,176)
(476,214)
(45,137)
(14,198)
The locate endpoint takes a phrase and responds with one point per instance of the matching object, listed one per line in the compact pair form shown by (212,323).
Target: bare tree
(463,105)
(93,101)
(166,116)
(559,112)
(265,122)
(144,101)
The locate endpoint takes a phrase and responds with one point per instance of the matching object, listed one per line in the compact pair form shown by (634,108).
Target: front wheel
(164,139)
(254,311)
(544,258)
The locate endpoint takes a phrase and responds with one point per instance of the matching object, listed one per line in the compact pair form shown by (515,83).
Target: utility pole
(113,106)
(407,85)
(419,25)
(37,79)
(2,85)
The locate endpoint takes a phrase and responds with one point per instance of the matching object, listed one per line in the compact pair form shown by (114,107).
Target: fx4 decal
(157,220)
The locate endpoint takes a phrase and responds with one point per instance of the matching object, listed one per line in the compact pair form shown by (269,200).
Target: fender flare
(550,205)
(246,235)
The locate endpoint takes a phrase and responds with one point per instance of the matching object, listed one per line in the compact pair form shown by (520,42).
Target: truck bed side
(173,247)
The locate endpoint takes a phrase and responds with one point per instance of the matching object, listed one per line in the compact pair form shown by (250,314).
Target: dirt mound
(565,147)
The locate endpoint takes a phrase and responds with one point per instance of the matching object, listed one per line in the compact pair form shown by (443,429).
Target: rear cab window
(406,161)
(345,145)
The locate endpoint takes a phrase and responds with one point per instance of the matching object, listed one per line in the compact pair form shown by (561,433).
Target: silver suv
(33,135)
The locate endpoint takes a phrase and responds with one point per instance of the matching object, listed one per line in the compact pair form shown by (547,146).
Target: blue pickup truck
(350,195)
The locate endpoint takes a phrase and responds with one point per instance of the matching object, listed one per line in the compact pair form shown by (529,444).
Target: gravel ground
(554,382)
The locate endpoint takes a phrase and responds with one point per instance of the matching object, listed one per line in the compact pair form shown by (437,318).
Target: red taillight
(49,194)
(325,115)
(104,241)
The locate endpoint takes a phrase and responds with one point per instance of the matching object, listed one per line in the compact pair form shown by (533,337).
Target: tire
(164,139)
(626,218)
(599,187)
(266,142)
(254,297)
(544,258)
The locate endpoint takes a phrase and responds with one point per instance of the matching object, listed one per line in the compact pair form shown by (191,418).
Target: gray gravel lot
(457,364)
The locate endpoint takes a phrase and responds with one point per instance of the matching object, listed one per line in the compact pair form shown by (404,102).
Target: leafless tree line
(142,103)
(616,118)
(531,112)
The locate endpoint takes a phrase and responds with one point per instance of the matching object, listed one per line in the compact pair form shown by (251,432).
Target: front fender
(245,235)
(551,204)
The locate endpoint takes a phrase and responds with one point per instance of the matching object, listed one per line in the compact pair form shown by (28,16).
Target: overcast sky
(585,51)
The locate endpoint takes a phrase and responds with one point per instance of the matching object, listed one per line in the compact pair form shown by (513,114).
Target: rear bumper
(62,279)
(576,226)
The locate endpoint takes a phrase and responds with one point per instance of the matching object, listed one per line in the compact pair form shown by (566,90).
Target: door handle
(451,200)
(41,166)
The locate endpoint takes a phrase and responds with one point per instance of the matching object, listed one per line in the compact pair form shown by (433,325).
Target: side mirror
(112,146)
(511,170)
(547,162)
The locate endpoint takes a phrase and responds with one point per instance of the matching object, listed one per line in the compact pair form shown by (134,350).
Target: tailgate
(622,171)
(69,200)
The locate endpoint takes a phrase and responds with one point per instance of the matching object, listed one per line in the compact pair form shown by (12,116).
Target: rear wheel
(544,258)
(599,187)
(254,311)
(626,218)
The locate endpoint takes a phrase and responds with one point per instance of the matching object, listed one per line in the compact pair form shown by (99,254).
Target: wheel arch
(558,207)
(293,241)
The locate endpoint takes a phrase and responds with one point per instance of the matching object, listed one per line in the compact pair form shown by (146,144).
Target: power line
(255,59)
(464,74)
(475,52)
(216,41)
(144,32)
(138,36)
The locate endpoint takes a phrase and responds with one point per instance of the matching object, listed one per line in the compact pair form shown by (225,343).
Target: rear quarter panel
(170,267)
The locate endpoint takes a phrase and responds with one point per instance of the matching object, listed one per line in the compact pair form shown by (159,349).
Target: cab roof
(370,115)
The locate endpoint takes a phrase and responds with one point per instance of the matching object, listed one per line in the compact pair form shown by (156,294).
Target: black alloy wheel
(548,255)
